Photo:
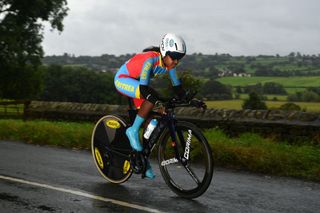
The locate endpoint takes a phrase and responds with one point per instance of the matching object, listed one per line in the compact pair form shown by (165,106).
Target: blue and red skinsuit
(138,71)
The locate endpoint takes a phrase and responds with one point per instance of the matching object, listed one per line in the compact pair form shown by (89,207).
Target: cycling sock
(149,172)
(133,133)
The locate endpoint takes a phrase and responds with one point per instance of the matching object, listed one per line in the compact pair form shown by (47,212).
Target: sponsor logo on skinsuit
(124,86)
(145,70)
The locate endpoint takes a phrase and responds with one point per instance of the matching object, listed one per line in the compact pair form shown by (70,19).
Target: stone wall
(292,126)
(70,111)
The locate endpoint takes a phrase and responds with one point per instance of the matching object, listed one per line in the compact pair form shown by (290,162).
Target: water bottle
(153,123)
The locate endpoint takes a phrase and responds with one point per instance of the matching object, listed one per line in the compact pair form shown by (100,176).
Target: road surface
(47,179)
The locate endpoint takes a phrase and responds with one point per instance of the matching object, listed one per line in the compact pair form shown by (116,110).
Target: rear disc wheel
(111,149)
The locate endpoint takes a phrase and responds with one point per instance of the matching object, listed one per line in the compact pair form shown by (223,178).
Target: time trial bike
(184,155)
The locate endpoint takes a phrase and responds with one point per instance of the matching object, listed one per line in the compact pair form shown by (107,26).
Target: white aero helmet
(172,45)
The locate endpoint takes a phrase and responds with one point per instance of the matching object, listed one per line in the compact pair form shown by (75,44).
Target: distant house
(225,73)
(242,75)
(228,73)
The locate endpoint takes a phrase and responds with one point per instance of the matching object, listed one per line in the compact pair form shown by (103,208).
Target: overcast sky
(237,27)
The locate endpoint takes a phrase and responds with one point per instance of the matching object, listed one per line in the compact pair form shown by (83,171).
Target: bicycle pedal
(136,167)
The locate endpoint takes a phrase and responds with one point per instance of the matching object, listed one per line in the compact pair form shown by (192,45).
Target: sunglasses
(175,55)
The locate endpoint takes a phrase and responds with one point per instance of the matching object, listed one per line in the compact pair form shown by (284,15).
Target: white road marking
(84,194)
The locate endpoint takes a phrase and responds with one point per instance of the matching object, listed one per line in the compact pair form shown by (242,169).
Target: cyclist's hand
(187,96)
(199,104)
(160,107)
(190,95)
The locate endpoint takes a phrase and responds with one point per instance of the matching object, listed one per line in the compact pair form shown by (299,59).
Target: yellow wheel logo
(126,167)
(98,157)
(113,124)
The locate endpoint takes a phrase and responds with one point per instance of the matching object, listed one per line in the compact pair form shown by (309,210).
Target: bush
(290,107)
(306,96)
(214,90)
(273,88)
(254,102)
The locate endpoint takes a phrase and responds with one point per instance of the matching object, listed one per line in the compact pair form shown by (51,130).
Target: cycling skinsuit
(138,71)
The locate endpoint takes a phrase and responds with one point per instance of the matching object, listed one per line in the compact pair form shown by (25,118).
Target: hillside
(211,66)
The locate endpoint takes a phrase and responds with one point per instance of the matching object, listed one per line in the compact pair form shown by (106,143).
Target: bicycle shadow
(193,205)
(110,190)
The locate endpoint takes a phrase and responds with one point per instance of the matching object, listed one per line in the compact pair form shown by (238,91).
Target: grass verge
(64,134)
(249,151)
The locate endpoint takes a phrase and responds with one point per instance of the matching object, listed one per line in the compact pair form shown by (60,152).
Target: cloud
(246,27)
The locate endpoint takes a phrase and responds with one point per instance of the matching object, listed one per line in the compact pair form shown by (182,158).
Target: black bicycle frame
(164,121)
(167,120)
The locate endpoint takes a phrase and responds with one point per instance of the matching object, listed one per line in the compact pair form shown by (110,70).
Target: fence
(13,109)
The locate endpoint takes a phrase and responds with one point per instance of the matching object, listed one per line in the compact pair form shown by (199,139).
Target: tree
(21,29)
(291,57)
(309,95)
(163,84)
(254,102)
(190,82)
(290,107)
(214,90)
(22,83)
(257,88)
(273,88)
(236,68)
(79,84)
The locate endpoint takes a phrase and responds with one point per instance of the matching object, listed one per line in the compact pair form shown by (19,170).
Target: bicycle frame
(164,121)
(176,140)
(167,120)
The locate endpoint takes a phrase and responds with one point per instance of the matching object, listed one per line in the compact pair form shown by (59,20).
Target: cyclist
(133,78)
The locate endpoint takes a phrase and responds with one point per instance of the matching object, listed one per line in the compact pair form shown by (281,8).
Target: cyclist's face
(169,62)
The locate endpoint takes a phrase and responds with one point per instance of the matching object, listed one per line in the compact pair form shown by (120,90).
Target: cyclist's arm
(147,92)
(176,83)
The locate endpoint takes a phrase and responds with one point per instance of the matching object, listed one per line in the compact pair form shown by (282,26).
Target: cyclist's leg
(149,172)
(133,131)
(144,111)
(130,87)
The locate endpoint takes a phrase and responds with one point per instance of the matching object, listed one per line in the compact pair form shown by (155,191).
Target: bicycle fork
(182,158)
(186,147)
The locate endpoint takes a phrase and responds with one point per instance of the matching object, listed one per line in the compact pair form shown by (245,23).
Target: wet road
(46,179)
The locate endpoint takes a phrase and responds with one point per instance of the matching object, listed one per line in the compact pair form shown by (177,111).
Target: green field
(269,97)
(288,82)
(236,104)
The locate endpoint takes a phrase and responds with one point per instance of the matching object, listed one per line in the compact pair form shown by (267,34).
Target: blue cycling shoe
(149,173)
(133,136)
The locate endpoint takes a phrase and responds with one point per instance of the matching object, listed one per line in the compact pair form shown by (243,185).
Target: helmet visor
(175,55)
